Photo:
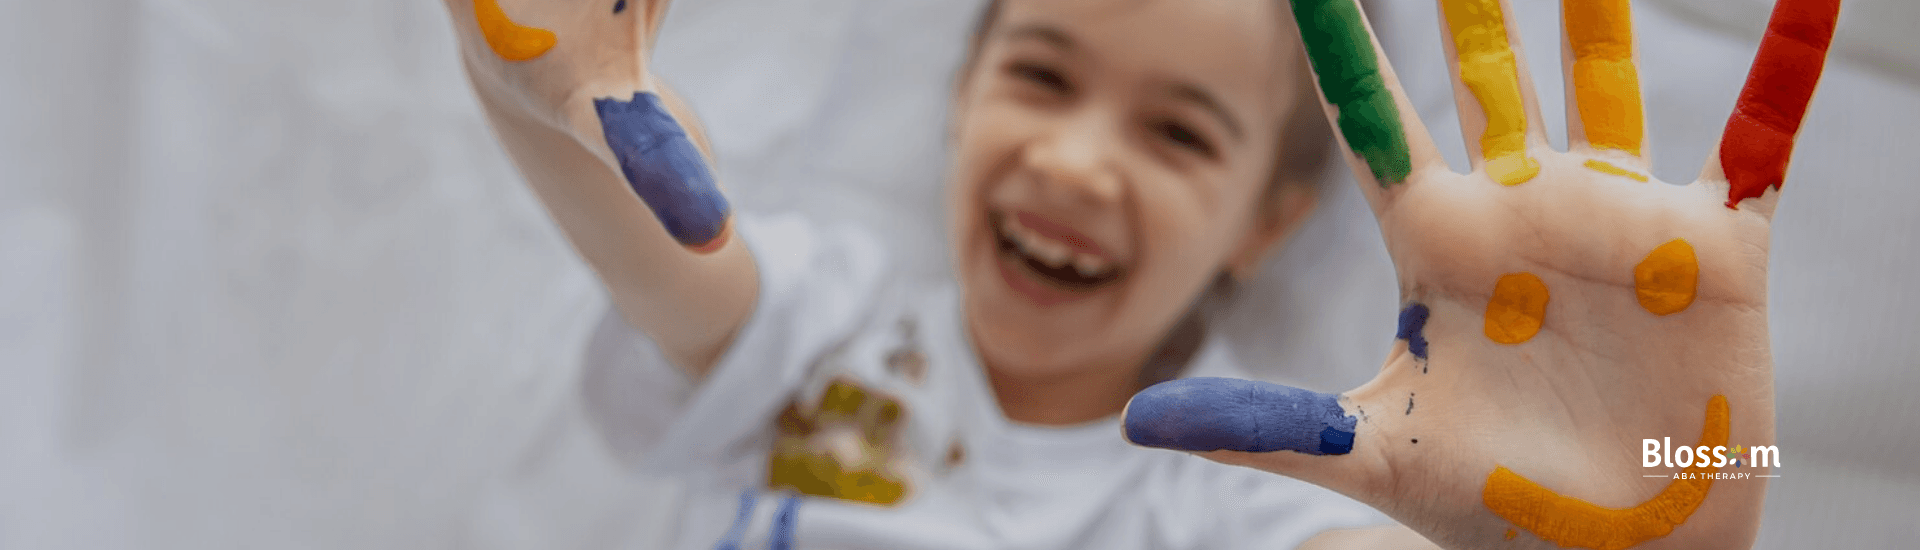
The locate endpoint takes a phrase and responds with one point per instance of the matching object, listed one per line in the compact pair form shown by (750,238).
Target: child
(1113,159)
(1117,164)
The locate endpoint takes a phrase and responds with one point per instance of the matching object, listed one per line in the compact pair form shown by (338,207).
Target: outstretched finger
(1605,114)
(665,168)
(584,64)
(656,13)
(1362,96)
(1251,423)
(1487,66)
(1753,152)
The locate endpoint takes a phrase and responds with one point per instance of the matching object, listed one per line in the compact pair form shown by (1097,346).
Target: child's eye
(1044,76)
(1181,135)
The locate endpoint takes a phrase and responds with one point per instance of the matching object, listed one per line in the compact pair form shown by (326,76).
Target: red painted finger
(1759,136)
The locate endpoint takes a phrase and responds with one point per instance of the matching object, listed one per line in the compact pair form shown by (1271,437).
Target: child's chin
(1030,333)
(1023,353)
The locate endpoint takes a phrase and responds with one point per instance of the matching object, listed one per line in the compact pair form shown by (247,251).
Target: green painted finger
(1342,54)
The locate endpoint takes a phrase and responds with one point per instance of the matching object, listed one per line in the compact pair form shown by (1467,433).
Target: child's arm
(567,89)
(1582,355)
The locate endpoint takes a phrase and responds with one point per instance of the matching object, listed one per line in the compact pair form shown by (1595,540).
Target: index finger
(1364,99)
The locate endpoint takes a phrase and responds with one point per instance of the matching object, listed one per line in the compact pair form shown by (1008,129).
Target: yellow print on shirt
(844,448)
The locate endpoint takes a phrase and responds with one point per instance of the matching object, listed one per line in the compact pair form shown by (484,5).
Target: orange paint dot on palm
(1667,280)
(1517,309)
(508,39)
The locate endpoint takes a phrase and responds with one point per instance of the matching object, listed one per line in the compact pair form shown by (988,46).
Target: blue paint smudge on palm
(1212,414)
(664,167)
(1413,325)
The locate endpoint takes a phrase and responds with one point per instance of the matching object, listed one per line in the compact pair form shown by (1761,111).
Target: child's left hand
(1562,309)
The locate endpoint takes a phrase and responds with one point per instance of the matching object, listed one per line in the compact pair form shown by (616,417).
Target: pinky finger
(1758,142)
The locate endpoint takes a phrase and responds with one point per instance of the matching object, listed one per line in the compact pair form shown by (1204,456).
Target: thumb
(662,164)
(1215,414)
(1289,431)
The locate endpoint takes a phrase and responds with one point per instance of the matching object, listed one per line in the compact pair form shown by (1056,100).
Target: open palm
(1560,307)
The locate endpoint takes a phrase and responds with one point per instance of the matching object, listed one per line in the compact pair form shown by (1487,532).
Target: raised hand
(566,87)
(580,67)
(1560,308)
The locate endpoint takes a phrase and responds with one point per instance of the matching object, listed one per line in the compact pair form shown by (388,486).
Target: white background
(266,280)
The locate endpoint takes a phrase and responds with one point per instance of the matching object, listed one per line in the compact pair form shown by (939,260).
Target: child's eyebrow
(1199,97)
(1179,90)
(1042,32)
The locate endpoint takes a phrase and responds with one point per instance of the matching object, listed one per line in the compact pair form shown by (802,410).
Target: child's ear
(1280,215)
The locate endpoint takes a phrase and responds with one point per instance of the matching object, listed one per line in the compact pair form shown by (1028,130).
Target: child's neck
(1062,400)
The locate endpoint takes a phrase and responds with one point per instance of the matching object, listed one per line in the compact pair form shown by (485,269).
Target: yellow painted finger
(1491,71)
(1572,522)
(1606,85)
(509,40)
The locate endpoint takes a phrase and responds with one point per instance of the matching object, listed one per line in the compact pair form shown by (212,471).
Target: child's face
(1112,160)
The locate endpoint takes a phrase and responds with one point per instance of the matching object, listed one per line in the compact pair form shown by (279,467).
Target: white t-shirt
(843,382)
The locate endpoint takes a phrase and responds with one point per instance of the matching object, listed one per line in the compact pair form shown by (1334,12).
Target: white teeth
(1053,253)
(1088,266)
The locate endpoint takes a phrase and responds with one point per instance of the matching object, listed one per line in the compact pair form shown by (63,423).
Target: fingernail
(1213,414)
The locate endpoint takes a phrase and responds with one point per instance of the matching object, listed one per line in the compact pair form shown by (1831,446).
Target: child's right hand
(1561,308)
(566,87)
(580,67)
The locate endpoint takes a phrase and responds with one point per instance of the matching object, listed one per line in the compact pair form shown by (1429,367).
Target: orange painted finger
(1488,66)
(1605,81)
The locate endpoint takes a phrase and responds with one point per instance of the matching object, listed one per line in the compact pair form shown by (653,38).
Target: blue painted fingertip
(1413,326)
(1213,414)
(664,168)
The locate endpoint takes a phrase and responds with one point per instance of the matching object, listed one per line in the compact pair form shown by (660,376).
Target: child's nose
(1076,158)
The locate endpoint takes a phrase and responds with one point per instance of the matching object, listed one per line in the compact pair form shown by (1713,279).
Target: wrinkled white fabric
(267,281)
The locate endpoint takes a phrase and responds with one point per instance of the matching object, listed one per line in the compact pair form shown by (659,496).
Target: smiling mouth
(1051,261)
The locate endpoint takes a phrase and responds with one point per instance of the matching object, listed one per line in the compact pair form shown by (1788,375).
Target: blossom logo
(1704,462)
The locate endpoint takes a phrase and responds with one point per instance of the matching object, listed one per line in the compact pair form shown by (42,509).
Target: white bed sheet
(267,281)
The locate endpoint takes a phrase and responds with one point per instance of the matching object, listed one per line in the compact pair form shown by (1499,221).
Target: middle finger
(1487,64)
